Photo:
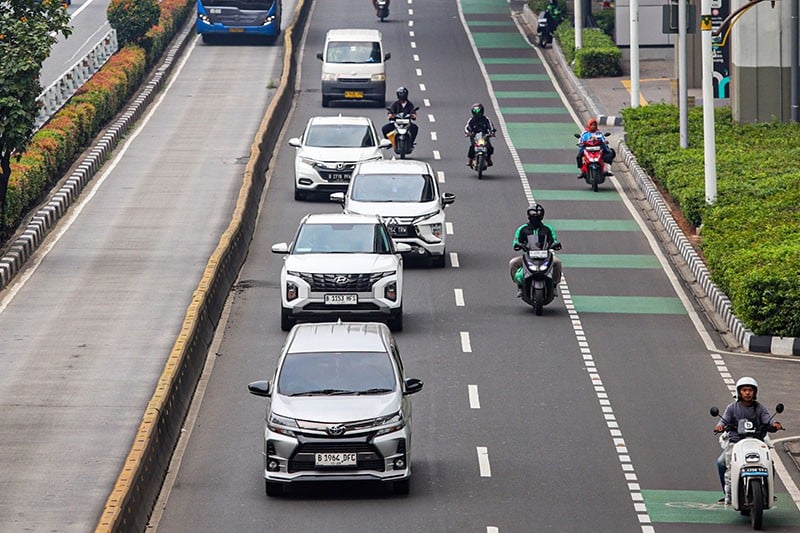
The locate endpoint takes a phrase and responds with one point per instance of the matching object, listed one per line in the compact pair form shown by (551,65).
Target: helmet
(746,382)
(477,109)
(535,214)
(402,93)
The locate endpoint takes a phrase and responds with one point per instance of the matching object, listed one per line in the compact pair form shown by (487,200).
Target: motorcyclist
(375,5)
(744,407)
(401,105)
(590,134)
(479,122)
(547,239)
(554,14)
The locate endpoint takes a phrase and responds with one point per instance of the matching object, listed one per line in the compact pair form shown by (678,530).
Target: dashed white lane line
(413,44)
(474,400)
(459,295)
(422,87)
(410,23)
(639,507)
(437,155)
(466,345)
(440,176)
(419,72)
(448,227)
(411,33)
(416,58)
(483,461)
(410,12)
(434,136)
(492,529)
(426,102)
(431,118)
(454,260)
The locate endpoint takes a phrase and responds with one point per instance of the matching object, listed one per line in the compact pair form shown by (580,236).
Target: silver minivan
(338,409)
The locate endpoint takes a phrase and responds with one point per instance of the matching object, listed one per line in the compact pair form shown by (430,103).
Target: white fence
(61,90)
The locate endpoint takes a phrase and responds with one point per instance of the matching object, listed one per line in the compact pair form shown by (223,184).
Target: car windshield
(335,373)
(340,136)
(342,239)
(354,52)
(393,188)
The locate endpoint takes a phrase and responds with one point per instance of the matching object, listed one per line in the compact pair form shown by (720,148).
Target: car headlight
(378,77)
(281,424)
(291,291)
(269,20)
(328,77)
(430,232)
(390,292)
(308,161)
(390,424)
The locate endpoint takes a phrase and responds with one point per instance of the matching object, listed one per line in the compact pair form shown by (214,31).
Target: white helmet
(746,381)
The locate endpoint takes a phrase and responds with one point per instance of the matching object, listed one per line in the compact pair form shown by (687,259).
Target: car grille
(353,80)
(341,282)
(369,458)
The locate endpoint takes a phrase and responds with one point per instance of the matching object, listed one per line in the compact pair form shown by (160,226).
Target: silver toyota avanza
(338,408)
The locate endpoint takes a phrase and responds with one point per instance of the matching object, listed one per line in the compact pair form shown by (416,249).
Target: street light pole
(579,24)
(634,53)
(682,91)
(709,142)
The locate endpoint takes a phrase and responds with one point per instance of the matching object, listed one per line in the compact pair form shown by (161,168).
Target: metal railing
(61,90)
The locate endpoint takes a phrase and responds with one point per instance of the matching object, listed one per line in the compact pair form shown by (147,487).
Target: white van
(353,66)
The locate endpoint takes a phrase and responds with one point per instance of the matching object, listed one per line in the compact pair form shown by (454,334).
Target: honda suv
(342,266)
(338,408)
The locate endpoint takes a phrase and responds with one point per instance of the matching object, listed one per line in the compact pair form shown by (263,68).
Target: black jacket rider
(480,124)
(401,106)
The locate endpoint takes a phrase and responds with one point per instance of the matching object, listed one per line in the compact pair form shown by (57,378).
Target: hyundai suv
(329,150)
(338,408)
(405,194)
(342,265)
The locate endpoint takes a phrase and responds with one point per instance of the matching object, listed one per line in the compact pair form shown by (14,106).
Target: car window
(353,52)
(342,238)
(340,136)
(393,188)
(336,372)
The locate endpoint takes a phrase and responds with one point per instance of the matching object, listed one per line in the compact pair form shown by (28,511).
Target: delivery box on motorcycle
(354,66)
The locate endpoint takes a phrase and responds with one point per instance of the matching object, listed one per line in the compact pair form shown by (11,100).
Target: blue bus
(258,18)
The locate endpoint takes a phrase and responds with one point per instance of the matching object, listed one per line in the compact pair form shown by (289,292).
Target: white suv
(329,150)
(339,408)
(406,195)
(342,265)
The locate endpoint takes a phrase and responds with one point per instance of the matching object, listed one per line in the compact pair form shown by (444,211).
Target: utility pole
(709,141)
(795,67)
(635,53)
(579,24)
(682,91)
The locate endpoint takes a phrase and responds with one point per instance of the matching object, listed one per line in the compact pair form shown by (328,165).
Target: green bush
(132,18)
(599,56)
(751,235)
(605,20)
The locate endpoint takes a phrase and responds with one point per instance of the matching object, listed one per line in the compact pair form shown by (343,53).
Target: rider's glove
(517,247)
(556,246)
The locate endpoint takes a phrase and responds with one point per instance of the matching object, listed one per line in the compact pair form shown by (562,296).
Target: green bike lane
(612,273)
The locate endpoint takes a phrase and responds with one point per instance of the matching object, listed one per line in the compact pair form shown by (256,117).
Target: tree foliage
(132,18)
(28,30)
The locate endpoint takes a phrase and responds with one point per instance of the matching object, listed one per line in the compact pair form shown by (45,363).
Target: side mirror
(413,385)
(714,411)
(280,248)
(448,198)
(260,388)
(607,134)
(337,197)
(295,141)
(577,135)
(385,143)
(779,408)
(402,248)
(387,56)
(319,56)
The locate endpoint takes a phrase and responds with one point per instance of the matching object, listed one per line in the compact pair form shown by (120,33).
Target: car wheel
(396,321)
(401,487)
(273,489)
(439,261)
(287,322)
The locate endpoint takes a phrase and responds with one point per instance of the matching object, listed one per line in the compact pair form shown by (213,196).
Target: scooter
(543,30)
(382,9)
(480,145)
(400,137)
(536,274)
(752,471)
(595,164)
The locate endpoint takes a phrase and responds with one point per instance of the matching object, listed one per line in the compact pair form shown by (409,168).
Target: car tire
(273,489)
(439,261)
(287,322)
(395,323)
(402,487)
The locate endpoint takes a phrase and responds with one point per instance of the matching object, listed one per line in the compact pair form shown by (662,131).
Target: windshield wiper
(376,390)
(323,392)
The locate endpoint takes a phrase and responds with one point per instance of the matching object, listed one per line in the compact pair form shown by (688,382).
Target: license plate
(338,177)
(341,299)
(335,459)
(398,230)
(354,94)
(235,30)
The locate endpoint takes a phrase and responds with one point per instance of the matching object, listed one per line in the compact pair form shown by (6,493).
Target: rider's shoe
(489,162)
(519,292)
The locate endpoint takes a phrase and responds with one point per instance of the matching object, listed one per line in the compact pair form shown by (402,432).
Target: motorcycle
(536,274)
(548,21)
(752,471)
(401,137)
(595,164)
(480,145)
(382,7)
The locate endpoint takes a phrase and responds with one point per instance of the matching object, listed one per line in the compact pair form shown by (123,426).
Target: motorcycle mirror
(779,408)
(577,135)
(714,411)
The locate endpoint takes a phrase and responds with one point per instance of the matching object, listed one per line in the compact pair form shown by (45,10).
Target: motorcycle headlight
(281,424)
(389,424)
(543,267)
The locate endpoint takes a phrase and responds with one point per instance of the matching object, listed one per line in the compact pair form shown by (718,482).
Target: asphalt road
(88,325)
(592,417)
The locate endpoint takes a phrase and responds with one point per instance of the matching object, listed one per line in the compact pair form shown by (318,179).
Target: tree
(132,18)
(28,30)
